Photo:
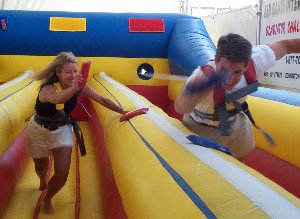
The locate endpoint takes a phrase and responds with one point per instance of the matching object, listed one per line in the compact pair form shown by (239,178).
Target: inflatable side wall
(190,46)
(16,100)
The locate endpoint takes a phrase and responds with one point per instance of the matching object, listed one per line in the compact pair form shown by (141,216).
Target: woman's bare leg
(41,169)
(62,160)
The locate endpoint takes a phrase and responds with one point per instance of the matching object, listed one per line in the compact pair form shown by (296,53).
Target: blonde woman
(48,132)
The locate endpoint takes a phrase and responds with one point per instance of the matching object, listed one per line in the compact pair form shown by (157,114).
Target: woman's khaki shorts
(241,140)
(40,141)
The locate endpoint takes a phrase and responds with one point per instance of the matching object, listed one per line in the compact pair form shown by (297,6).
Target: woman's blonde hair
(48,74)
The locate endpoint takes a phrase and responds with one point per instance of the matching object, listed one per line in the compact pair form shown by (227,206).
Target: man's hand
(200,81)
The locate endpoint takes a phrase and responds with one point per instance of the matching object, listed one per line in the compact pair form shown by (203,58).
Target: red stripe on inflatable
(79,112)
(77,202)
(12,165)
(85,69)
(3,24)
(171,111)
(112,201)
(158,95)
(146,25)
(279,171)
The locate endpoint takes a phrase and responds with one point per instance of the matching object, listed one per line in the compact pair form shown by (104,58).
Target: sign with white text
(280,19)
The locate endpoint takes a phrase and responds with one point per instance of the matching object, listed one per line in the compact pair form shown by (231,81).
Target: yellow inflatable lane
(161,174)
(25,197)
(281,122)
(17,98)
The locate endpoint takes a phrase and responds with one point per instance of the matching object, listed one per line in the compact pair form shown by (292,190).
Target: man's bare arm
(283,47)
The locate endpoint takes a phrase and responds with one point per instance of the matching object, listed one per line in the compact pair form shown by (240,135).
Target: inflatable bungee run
(143,167)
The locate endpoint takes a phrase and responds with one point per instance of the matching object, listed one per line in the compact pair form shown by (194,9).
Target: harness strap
(215,117)
(58,89)
(220,97)
(242,92)
(78,135)
(250,73)
(223,118)
(43,118)
(219,94)
(244,107)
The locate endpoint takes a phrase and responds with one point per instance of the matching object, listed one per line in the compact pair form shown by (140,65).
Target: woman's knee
(62,171)
(41,164)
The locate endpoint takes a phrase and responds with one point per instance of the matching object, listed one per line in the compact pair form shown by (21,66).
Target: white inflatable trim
(14,81)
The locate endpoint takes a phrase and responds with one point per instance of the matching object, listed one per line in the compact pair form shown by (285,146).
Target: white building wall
(280,19)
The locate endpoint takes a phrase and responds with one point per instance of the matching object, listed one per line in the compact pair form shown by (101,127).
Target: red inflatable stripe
(85,68)
(3,24)
(112,201)
(12,165)
(134,113)
(42,195)
(77,178)
(146,25)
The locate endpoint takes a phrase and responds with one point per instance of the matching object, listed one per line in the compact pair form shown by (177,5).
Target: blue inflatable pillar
(190,46)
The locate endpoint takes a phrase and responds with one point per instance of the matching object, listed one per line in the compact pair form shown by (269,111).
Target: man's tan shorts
(241,140)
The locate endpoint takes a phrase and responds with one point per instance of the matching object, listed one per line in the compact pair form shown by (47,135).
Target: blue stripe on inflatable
(282,96)
(190,46)
(107,35)
(178,179)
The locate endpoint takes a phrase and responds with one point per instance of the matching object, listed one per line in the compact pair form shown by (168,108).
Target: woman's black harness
(61,119)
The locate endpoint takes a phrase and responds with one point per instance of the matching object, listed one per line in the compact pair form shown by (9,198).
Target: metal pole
(259,14)
(187,6)
(184,4)
(2,4)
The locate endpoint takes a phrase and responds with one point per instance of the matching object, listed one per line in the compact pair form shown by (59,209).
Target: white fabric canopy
(242,21)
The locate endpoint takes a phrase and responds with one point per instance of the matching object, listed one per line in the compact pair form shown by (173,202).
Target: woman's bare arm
(91,93)
(49,94)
